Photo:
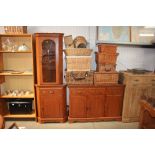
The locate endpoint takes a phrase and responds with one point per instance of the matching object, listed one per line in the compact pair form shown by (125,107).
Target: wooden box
(107,48)
(106,58)
(79,77)
(105,78)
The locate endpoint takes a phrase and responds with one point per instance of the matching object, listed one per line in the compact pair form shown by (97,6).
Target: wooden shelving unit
(16,71)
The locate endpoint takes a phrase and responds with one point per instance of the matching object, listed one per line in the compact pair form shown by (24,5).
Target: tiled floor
(90,125)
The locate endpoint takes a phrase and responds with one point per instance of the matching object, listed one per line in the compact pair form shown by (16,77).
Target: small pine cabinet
(94,103)
(51,103)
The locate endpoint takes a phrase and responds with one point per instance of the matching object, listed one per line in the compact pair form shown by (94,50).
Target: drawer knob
(136,80)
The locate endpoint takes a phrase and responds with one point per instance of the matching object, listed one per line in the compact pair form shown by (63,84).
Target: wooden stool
(2,125)
(147,116)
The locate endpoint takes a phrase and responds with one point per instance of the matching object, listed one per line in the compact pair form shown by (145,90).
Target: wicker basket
(107,48)
(68,41)
(78,63)
(80,42)
(106,58)
(15,29)
(106,68)
(78,52)
(79,77)
(105,78)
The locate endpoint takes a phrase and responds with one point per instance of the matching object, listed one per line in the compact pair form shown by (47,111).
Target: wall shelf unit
(127,44)
(16,72)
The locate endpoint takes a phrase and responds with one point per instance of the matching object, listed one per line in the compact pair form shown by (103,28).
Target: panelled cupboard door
(78,101)
(95,106)
(50,103)
(114,102)
(113,105)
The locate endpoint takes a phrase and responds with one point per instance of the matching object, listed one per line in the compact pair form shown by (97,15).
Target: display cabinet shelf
(24,96)
(16,74)
(16,52)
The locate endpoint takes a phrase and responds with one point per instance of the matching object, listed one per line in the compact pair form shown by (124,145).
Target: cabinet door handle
(51,92)
(136,80)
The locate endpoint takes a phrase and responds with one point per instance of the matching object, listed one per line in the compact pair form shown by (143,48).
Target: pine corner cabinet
(49,58)
(95,103)
(50,91)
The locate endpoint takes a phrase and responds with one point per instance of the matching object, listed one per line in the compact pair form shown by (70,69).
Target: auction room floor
(90,125)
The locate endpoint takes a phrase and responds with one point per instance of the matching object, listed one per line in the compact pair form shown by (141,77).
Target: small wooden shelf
(16,74)
(16,35)
(25,96)
(127,44)
(20,115)
(16,52)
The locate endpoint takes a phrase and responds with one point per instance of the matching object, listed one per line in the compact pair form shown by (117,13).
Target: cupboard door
(114,102)
(50,103)
(77,107)
(46,59)
(95,106)
(113,105)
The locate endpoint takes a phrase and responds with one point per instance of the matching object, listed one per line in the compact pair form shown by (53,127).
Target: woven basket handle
(107,69)
(79,78)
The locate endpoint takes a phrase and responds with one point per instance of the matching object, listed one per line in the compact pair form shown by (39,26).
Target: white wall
(129,56)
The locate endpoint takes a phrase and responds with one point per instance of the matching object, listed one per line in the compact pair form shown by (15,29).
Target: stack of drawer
(106,64)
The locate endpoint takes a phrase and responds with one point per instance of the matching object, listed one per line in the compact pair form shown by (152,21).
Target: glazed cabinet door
(95,103)
(114,102)
(50,103)
(46,59)
(77,106)
(49,58)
